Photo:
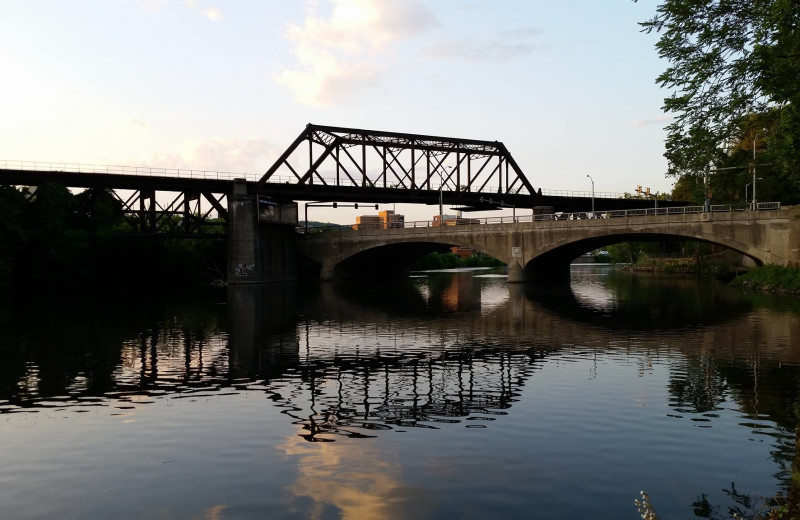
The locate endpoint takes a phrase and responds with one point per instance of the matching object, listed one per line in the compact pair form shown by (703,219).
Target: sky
(568,87)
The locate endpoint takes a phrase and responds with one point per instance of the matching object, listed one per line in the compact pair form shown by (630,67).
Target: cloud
(137,123)
(212,13)
(498,47)
(655,121)
(251,155)
(344,53)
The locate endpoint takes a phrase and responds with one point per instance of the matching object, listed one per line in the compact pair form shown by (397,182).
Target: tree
(733,73)
(12,235)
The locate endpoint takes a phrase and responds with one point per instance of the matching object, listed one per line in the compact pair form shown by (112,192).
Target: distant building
(367,222)
(383,220)
(454,220)
(392,220)
(462,252)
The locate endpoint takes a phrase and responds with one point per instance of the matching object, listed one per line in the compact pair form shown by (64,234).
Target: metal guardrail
(585,194)
(581,215)
(143,171)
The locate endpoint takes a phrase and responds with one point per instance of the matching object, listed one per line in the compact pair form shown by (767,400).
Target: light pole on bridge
(755,137)
(441,204)
(590,178)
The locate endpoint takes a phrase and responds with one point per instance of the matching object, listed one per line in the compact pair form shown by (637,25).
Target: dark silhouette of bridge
(326,163)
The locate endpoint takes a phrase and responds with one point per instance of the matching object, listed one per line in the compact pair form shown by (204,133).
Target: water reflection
(403,353)
(349,365)
(342,481)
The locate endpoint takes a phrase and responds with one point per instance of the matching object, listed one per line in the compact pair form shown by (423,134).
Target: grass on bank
(719,264)
(770,278)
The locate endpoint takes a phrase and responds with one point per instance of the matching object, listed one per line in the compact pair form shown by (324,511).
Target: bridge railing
(108,169)
(559,216)
(184,173)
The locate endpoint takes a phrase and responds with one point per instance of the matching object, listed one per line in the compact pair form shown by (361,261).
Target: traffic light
(335,204)
(647,192)
(356,205)
(639,189)
(376,206)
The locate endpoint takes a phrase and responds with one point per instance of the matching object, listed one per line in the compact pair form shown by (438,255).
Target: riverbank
(770,278)
(725,265)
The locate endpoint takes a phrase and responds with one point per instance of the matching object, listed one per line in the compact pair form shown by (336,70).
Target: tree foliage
(733,77)
(54,238)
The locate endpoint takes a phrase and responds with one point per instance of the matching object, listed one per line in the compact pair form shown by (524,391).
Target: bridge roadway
(543,249)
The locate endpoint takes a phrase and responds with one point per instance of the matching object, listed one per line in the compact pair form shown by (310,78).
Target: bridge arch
(388,257)
(542,249)
(553,259)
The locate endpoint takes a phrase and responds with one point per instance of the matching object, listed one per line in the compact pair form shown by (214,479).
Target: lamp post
(590,178)
(441,185)
(747,188)
(754,171)
(441,217)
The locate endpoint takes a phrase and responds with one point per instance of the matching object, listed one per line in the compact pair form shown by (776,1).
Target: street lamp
(747,188)
(590,178)
(754,171)
(441,185)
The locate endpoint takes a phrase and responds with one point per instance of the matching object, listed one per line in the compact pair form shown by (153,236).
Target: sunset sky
(212,85)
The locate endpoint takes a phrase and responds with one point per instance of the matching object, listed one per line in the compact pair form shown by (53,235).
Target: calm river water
(449,395)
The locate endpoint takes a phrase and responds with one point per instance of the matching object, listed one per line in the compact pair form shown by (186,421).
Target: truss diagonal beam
(412,159)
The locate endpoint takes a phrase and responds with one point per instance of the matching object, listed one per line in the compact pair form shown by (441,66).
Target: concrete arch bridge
(543,249)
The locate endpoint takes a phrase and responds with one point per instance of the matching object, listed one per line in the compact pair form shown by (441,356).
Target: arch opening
(554,264)
(390,260)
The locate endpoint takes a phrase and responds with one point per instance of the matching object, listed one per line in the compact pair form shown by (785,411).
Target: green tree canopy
(734,69)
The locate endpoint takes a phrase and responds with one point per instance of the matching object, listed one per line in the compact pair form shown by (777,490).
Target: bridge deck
(212,182)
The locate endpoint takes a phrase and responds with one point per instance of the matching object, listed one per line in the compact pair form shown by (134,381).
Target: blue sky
(569,87)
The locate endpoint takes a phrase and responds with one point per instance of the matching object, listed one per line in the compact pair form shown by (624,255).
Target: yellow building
(383,220)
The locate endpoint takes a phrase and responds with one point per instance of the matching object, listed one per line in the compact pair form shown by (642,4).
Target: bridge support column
(553,272)
(517,273)
(257,251)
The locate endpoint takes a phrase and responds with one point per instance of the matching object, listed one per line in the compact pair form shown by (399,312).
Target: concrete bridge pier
(262,246)
(517,273)
(538,272)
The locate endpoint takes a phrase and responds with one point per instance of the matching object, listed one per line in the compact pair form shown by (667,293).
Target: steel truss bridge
(375,166)
(326,164)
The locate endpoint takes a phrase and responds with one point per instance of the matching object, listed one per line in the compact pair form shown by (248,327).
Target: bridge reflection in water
(370,361)
(440,355)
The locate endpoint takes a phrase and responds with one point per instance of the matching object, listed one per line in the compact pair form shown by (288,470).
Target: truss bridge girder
(183,213)
(326,156)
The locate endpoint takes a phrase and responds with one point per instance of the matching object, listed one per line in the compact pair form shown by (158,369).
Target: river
(447,395)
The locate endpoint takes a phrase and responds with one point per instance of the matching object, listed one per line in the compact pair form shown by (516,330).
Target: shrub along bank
(772,278)
(449,261)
